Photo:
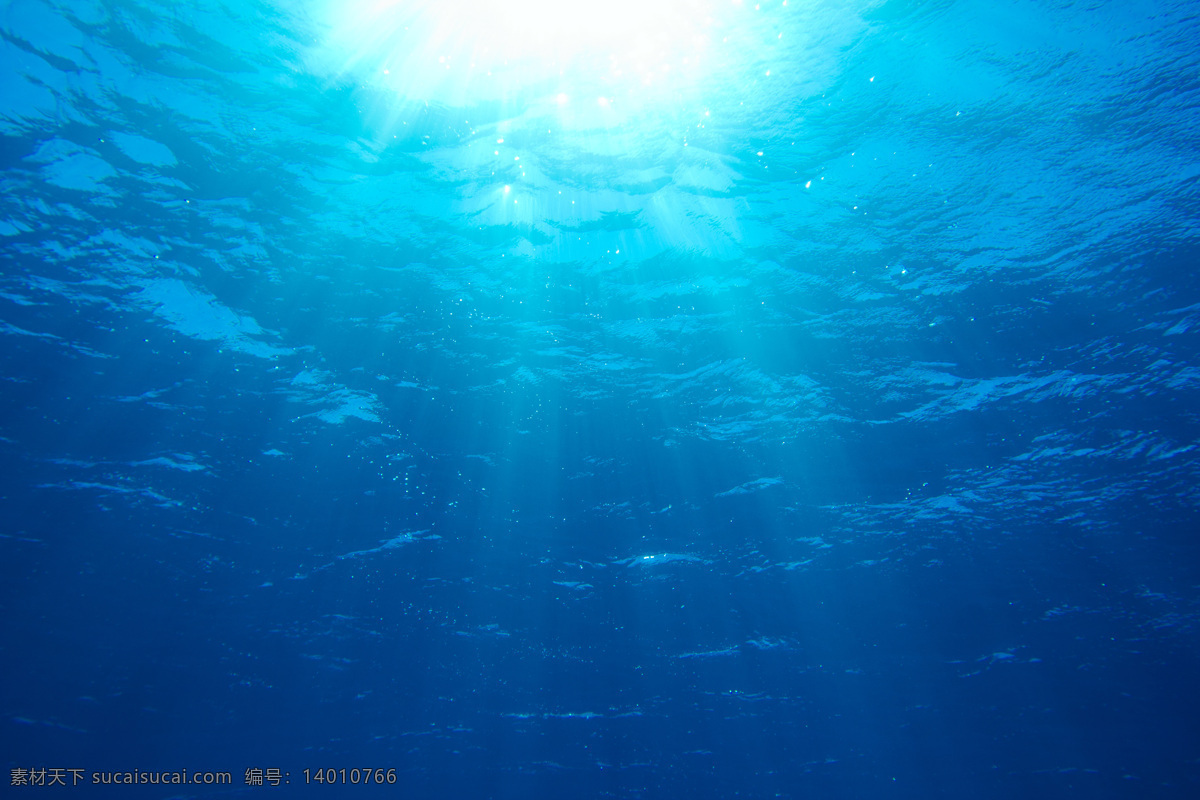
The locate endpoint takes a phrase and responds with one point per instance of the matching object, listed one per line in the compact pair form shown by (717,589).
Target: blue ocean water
(782,400)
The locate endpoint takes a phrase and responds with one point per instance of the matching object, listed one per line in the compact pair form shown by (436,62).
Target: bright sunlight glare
(463,52)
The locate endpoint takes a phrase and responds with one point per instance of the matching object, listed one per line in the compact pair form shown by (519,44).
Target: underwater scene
(679,399)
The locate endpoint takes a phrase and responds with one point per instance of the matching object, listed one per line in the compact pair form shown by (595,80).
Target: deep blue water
(818,417)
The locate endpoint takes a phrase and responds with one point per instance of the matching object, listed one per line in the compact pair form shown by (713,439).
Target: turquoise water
(777,400)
